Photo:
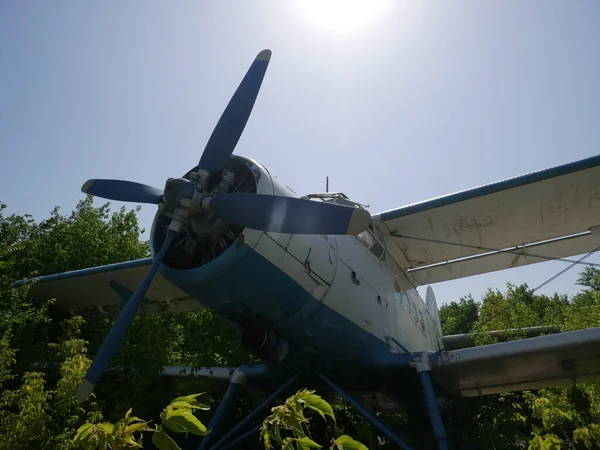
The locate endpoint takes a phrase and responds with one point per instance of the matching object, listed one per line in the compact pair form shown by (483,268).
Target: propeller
(117,332)
(260,212)
(288,215)
(227,133)
(124,191)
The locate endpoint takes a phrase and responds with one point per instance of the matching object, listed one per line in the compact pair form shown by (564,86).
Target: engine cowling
(206,236)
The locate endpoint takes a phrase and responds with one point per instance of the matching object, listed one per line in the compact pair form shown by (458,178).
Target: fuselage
(331,300)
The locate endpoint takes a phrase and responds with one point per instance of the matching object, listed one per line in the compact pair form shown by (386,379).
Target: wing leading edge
(536,217)
(102,290)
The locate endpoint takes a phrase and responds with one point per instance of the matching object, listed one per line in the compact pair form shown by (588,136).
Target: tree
(286,428)
(459,317)
(590,278)
(37,404)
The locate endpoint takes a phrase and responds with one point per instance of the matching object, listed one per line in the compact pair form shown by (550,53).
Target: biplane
(316,283)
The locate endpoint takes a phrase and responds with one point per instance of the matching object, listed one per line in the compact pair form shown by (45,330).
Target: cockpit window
(343,201)
(369,241)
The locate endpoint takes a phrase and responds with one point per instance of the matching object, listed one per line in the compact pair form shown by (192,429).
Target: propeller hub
(176,190)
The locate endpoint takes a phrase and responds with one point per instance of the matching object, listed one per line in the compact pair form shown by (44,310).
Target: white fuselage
(321,293)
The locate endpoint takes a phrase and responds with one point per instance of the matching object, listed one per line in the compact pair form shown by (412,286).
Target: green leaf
(306,443)
(546,442)
(316,403)
(288,444)
(583,435)
(163,441)
(347,443)
(186,406)
(142,426)
(174,427)
(105,427)
(83,433)
(566,415)
(191,399)
(186,421)
(277,435)
(535,443)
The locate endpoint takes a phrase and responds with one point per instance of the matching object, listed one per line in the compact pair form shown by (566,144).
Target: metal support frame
(423,367)
(242,438)
(224,441)
(420,362)
(214,426)
(367,415)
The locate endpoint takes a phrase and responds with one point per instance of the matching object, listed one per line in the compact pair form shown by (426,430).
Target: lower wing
(103,290)
(538,362)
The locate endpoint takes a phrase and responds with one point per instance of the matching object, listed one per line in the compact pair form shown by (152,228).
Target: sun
(342,16)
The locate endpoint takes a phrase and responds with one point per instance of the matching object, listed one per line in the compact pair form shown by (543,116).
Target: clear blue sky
(396,101)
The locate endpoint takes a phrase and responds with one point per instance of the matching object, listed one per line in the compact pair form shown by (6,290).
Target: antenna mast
(327,184)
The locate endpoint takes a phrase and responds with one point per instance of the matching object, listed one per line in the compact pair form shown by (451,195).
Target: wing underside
(537,217)
(544,361)
(102,290)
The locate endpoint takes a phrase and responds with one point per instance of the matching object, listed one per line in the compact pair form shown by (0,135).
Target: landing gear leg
(224,408)
(424,369)
(367,415)
(260,409)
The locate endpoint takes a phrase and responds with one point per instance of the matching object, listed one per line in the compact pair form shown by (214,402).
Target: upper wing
(532,363)
(101,290)
(537,217)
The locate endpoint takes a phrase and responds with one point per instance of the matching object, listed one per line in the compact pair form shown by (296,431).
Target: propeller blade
(288,214)
(227,133)
(117,332)
(124,191)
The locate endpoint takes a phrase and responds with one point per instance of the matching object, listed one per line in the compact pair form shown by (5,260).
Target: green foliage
(121,435)
(459,317)
(590,278)
(347,443)
(288,427)
(545,442)
(34,416)
(560,417)
(588,436)
(178,417)
(38,408)
(31,332)
(289,418)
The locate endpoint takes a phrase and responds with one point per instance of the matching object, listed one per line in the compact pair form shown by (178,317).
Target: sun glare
(342,16)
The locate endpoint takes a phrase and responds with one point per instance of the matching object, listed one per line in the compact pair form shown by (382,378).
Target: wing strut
(516,250)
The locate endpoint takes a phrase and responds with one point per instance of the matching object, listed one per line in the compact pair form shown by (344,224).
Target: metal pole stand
(216,422)
(367,415)
(225,440)
(424,370)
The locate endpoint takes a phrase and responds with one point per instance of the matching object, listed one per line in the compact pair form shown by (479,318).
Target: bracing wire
(552,278)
